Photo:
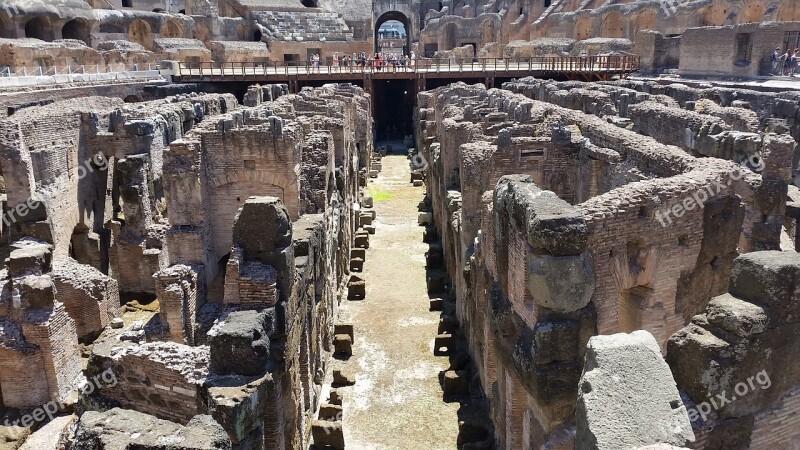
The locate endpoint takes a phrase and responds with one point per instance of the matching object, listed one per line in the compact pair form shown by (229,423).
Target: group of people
(784,64)
(379,61)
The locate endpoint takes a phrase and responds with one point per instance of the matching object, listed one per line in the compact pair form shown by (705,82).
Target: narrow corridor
(396,402)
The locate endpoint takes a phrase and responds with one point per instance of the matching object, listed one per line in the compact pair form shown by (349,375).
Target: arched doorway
(139,32)
(39,28)
(789,12)
(449,37)
(393,33)
(613,26)
(752,11)
(488,32)
(77,29)
(171,29)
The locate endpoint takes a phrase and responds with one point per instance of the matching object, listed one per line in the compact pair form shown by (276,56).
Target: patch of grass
(378,194)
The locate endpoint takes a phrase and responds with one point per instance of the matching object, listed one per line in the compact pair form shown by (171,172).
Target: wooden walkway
(571,67)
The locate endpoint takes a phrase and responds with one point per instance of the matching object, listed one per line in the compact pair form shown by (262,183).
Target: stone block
(369,229)
(239,343)
(34,260)
(335,397)
(444,340)
(448,324)
(627,397)
(561,283)
(365,219)
(343,377)
(358,253)
(356,288)
(550,224)
(736,316)
(356,265)
(437,304)
(434,257)
(343,345)
(38,291)
(418,183)
(330,412)
(425,218)
(361,239)
(344,328)
(455,383)
(373,174)
(328,434)
(771,279)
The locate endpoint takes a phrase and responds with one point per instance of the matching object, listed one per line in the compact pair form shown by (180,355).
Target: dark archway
(257,35)
(39,28)
(3,28)
(398,17)
(310,3)
(77,29)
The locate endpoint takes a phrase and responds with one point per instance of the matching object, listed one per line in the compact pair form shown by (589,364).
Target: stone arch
(583,28)
(171,29)
(613,26)
(752,11)
(714,16)
(201,32)
(226,199)
(789,11)
(140,32)
(488,32)
(400,17)
(448,36)
(646,20)
(39,28)
(78,29)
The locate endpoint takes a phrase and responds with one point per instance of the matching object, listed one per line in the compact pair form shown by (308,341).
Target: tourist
(785,63)
(378,61)
(775,59)
(315,62)
(793,62)
(413,59)
(335,62)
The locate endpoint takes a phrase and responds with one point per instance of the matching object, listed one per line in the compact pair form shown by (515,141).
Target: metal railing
(560,64)
(85,69)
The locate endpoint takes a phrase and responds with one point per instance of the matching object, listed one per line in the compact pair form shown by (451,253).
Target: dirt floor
(396,402)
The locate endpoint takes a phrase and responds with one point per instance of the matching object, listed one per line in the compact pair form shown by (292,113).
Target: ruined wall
(523,264)
(257,325)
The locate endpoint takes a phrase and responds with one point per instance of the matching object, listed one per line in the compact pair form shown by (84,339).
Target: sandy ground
(397,400)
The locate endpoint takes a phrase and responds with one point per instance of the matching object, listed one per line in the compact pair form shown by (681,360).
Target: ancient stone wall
(534,276)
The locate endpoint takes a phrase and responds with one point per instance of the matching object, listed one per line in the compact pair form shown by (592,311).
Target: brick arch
(583,28)
(40,28)
(224,202)
(789,11)
(171,29)
(140,32)
(752,11)
(646,20)
(488,31)
(201,32)
(613,26)
(714,15)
